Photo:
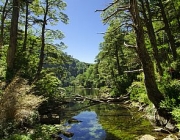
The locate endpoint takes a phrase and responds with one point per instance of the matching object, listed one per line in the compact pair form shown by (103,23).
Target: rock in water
(147,137)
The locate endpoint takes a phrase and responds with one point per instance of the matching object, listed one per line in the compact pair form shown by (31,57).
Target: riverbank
(150,113)
(137,113)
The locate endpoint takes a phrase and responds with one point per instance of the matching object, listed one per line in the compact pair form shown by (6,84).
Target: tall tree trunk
(151,34)
(26,26)
(3,17)
(13,40)
(168,30)
(153,92)
(41,60)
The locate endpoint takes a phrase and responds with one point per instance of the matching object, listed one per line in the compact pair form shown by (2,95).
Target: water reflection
(88,129)
(109,122)
(90,92)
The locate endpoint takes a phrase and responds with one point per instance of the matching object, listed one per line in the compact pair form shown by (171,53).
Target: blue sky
(81,34)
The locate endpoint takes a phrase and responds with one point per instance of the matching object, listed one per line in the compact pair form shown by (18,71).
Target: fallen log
(102,100)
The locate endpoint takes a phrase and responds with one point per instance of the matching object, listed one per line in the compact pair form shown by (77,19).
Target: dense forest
(139,56)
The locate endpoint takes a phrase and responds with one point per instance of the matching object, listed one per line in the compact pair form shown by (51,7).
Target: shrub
(172,95)
(168,103)
(49,86)
(19,137)
(176,116)
(17,105)
(172,90)
(3,62)
(44,132)
(138,92)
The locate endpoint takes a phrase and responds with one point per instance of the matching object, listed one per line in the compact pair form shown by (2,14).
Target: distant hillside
(73,67)
(64,66)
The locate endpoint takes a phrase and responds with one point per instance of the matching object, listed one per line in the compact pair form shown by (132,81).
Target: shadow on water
(107,122)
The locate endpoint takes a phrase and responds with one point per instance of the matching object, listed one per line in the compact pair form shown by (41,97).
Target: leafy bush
(168,103)
(49,86)
(138,92)
(44,132)
(172,95)
(114,92)
(176,115)
(104,89)
(172,89)
(17,105)
(3,63)
(119,86)
(19,137)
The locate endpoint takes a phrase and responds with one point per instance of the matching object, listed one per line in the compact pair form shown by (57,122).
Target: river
(106,121)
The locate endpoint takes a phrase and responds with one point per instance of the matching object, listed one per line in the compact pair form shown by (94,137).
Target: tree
(123,7)
(51,13)
(13,40)
(168,30)
(153,92)
(3,17)
(112,57)
(26,25)
(151,33)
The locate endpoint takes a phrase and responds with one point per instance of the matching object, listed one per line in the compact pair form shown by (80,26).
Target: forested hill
(71,68)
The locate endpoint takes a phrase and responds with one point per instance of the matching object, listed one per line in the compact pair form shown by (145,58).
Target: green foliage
(18,106)
(27,64)
(138,92)
(172,90)
(176,115)
(19,137)
(3,63)
(45,131)
(49,86)
(168,103)
(6,129)
(172,95)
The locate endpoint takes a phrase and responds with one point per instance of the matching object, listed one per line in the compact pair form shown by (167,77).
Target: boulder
(171,137)
(68,134)
(72,120)
(171,127)
(147,137)
(57,137)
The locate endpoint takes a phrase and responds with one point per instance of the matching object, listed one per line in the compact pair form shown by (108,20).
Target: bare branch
(111,4)
(133,71)
(117,11)
(101,33)
(130,46)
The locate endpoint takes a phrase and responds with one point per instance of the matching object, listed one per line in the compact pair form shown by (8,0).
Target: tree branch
(117,11)
(111,4)
(133,71)
(130,46)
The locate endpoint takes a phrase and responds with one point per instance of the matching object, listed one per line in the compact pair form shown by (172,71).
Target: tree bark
(3,17)
(151,34)
(26,26)
(13,40)
(168,30)
(41,60)
(154,95)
